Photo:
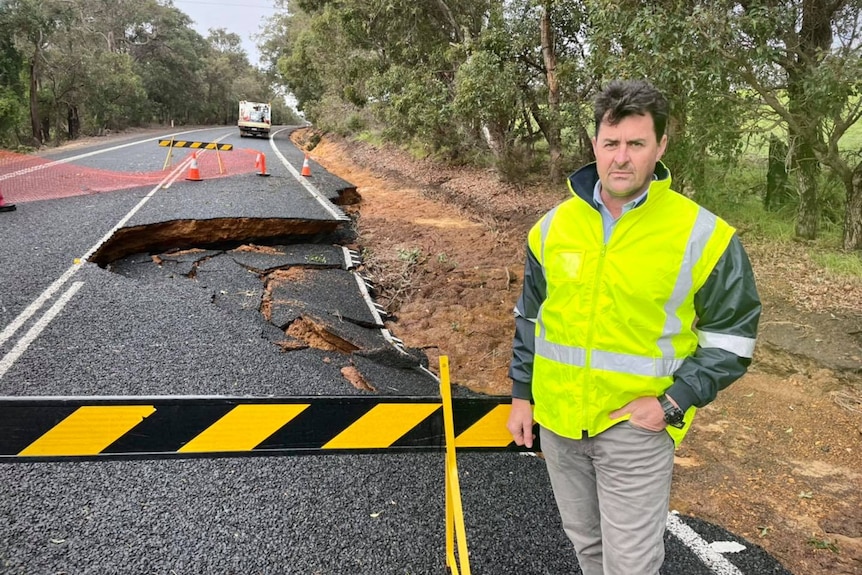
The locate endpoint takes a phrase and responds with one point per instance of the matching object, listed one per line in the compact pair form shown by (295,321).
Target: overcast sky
(242,17)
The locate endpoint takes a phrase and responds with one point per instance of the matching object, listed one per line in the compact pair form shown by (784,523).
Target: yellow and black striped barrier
(172,143)
(159,427)
(95,428)
(195,145)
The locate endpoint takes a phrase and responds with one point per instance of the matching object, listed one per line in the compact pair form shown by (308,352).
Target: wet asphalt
(137,328)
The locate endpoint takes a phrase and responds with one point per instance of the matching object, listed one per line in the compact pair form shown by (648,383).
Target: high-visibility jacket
(619,319)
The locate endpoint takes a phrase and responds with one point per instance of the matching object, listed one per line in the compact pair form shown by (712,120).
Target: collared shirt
(608,219)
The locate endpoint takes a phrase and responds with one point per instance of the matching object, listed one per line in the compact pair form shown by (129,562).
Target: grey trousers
(613,492)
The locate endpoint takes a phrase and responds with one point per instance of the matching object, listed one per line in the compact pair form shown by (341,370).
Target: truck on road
(254,118)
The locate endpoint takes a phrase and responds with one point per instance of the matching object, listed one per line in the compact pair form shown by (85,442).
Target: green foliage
(486,90)
(413,102)
(109,65)
(12,116)
(823,544)
(736,195)
(337,116)
(658,41)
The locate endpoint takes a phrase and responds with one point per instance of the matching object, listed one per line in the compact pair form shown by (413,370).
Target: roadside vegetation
(72,68)
(765,94)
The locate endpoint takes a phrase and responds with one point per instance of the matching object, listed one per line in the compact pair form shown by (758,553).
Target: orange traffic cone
(4,207)
(306,169)
(260,163)
(194,173)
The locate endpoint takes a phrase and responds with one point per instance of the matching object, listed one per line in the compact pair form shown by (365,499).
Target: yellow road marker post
(454,508)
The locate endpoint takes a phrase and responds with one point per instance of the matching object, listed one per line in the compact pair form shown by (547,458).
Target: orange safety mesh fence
(25,178)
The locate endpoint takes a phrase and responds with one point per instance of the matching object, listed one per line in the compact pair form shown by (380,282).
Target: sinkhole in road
(304,287)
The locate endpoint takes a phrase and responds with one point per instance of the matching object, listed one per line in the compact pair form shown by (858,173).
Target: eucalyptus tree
(517,83)
(395,58)
(87,74)
(804,61)
(562,85)
(224,61)
(13,110)
(169,55)
(32,24)
(309,54)
(658,41)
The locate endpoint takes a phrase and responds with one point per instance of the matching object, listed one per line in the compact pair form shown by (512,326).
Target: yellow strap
(454,509)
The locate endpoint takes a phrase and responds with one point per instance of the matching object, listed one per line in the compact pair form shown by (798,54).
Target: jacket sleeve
(526,313)
(728,310)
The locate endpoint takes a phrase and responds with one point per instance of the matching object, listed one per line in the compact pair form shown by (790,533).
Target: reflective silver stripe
(607,360)
(545,228)
(519,313)
(576,356)
(701,232)
(737,344)
(634,364)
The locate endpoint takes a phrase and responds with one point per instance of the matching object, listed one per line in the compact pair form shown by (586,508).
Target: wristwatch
(672,414)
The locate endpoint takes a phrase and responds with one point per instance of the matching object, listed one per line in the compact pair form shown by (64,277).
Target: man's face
(626,155)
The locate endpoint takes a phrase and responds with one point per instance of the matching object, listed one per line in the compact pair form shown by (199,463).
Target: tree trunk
(815,38)
(553,123)
(74,122)
(808,214)
(853,213)
(804,137)
(35,124)
(776,176)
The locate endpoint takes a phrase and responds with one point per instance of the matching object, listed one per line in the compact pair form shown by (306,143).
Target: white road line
(327,205)
(699,546)
(37,328)
(31,309)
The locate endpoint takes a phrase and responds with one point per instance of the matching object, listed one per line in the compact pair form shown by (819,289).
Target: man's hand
(646,413)
(520,423)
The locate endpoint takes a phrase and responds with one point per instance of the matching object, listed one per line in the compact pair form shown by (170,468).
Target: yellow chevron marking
(490,431)
(243,428)
(89,430)
(199,145)
(382,426)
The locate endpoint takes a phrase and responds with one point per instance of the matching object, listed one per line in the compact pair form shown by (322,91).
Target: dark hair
(623,98)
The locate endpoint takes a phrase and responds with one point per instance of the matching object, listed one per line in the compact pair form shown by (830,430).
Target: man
(638,306)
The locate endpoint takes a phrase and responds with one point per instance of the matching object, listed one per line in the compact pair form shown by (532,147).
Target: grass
(736,195)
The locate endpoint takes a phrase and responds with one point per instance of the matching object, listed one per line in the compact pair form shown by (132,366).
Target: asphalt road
(131,327)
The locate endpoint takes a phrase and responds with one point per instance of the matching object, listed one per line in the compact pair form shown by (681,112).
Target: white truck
(254,119)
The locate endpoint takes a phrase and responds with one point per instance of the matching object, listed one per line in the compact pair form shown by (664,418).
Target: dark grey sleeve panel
(728,302)
(521,368)
(728,310)
(704,374)
(526,312)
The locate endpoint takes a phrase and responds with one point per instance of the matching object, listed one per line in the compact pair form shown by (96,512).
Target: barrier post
(220,165)
(169,157)
(454,508)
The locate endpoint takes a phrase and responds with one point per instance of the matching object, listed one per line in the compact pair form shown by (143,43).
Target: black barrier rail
(95,428)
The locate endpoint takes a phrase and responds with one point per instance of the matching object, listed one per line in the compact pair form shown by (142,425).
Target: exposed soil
(777,458)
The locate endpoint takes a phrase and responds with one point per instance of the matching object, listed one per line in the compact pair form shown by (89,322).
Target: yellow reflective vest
(618,318)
